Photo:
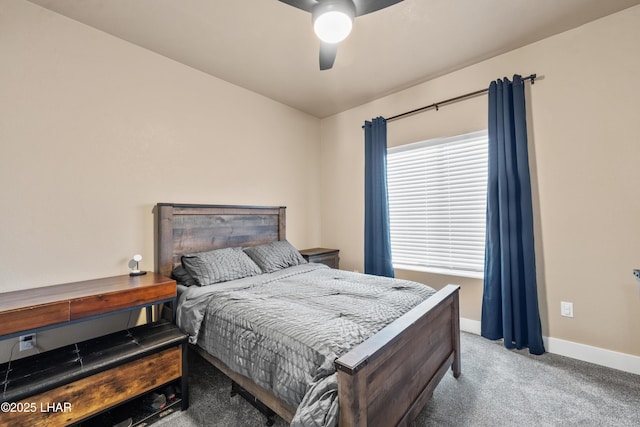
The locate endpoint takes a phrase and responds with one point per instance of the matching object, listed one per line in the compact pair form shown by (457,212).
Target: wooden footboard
(386,380)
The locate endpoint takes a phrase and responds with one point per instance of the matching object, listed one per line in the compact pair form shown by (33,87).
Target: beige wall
(94,131)
(584,127)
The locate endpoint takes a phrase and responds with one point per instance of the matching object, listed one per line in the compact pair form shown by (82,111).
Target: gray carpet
(498,387)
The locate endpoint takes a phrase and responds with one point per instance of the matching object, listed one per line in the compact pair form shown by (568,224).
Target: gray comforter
(285,329)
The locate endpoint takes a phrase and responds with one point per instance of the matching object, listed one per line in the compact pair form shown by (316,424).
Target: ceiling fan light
(332,27)
(333,20)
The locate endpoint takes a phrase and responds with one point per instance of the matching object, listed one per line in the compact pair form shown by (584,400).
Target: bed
(384,380)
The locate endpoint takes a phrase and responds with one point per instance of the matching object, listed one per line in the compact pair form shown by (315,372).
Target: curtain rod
(436,105)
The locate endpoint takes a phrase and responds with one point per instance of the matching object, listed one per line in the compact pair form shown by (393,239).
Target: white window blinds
(437,204)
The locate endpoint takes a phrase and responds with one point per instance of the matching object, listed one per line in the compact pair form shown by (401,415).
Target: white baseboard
(599,356)
(468,325)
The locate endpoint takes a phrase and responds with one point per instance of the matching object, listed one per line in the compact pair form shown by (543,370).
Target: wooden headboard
(182,228)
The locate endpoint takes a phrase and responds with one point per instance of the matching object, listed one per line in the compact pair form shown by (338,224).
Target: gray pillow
(219,265)
(182,277)
(275,255)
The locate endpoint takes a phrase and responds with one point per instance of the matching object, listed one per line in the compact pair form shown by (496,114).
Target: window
(437,204)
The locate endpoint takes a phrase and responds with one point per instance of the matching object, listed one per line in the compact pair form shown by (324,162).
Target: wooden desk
(58,305)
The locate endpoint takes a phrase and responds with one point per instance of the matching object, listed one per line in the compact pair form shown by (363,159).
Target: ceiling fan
(333,19)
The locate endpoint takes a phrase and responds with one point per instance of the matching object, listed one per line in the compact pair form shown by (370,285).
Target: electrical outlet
(27,342)
(636,274)
(566,309)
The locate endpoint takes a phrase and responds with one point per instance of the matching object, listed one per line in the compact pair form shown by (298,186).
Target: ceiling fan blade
(301,4)
(367,6)
(362,6)
(328,53)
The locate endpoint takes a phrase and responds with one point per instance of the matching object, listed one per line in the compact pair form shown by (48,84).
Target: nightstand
(323,256)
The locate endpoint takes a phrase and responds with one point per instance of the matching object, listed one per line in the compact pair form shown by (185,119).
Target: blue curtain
(510,297)
(377,239)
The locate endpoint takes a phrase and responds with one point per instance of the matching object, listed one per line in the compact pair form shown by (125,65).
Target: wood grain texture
(93,394)
(185,229)
(113,301)
(329,257)
(50,305)
(32,317)
(402,364)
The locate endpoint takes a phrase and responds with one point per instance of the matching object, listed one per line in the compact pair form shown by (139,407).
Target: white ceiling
(269,47)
